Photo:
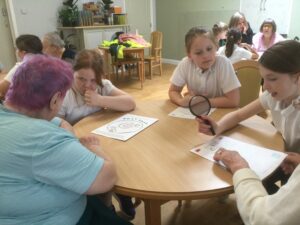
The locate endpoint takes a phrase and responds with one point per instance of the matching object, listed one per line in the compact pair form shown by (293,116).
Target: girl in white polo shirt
(204,73)
(280,69)
(233,51)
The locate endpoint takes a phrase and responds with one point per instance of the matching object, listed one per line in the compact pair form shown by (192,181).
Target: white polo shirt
(237,55)
(74,108)
(286,120)
(215,82)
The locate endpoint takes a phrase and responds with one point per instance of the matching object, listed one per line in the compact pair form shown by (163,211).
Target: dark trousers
(96,213)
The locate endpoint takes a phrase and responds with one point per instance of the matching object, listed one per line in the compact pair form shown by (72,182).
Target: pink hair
(37,80)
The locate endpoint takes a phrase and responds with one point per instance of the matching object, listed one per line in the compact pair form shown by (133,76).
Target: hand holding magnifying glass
(199,105)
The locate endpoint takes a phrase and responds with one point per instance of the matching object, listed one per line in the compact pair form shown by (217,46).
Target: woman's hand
(205,124)
(90,142)
(231,159)
(290,162)
(67,126)
(92,98)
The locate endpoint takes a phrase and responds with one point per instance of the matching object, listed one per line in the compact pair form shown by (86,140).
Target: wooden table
(140,54)
(156,164)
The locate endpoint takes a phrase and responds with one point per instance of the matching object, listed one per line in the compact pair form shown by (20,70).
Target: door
(256,11)
(138,16)
(7,52)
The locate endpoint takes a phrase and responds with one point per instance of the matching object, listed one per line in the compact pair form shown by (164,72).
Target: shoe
(126,206)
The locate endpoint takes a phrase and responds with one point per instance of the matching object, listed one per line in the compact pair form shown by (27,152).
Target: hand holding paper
(231,159)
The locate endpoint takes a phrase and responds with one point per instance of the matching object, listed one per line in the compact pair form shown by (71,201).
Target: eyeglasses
(267,25)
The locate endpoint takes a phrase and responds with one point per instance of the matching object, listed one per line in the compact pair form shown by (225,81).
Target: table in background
(139,54)
(156,165)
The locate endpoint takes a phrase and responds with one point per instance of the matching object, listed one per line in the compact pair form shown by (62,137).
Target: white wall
(34,17)
(39,16)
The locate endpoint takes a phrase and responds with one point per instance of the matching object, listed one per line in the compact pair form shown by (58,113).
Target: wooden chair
(250,79)
(154,58)
(127,64)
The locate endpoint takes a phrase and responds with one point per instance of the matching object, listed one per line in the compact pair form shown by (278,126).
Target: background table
(139,54)
(156,165)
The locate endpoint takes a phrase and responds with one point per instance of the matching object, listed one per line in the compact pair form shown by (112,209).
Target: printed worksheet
(185,113)
(262,160)
(125,127)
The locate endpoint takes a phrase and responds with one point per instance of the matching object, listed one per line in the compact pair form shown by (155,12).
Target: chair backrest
(156,44)
(250,79)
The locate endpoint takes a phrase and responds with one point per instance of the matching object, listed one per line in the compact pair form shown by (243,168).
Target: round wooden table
(156,165)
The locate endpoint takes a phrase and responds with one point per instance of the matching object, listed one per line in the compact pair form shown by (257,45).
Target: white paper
(261,160)
(185,113)
(125,127)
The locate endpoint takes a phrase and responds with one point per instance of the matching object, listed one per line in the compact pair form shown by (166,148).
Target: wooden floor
(205,212)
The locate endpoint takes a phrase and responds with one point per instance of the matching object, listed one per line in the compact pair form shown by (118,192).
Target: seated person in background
(255,206)
(27,45)
(204,73)
(90,93)
(232,50)
(266,37)
(220,31)
(46,172)
(280,68)
(239,21)
(53,45)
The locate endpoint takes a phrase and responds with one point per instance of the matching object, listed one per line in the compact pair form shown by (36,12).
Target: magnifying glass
(199,105)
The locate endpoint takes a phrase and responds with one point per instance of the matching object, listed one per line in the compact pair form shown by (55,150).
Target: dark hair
(234,20)
(268,21)
(36,81)
(233,36)
(92,59)
(196,32)
(219,27)
(283,57)
(29,43)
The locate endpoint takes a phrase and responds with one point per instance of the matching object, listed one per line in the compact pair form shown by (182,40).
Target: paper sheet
(125,127)
(185,113)
(262,160)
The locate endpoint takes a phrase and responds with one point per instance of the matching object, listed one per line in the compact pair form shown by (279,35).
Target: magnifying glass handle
(211,127)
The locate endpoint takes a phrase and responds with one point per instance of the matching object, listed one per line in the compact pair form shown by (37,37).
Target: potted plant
(107,10)
(69,14)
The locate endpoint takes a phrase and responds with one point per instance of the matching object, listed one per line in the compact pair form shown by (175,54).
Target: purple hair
(37,80)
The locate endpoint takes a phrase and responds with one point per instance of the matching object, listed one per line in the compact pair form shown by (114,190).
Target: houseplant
(69,14)
(107,10)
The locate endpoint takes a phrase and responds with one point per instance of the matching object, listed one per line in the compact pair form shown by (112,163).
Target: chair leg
(140,73)
(160,68)
(150,69)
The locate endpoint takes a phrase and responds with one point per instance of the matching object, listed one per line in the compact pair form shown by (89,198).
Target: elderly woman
(45,172)
(53,45)
(266,37)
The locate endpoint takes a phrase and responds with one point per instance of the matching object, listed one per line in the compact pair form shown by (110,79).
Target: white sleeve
(256,207)
(246,54)
(9,76)
(263,98)
(179,74)
(229,80)
(107,87)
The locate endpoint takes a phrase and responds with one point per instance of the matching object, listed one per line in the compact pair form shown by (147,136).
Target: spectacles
(267,25)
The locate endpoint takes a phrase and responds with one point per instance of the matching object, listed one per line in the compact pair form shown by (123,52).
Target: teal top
(44,172)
